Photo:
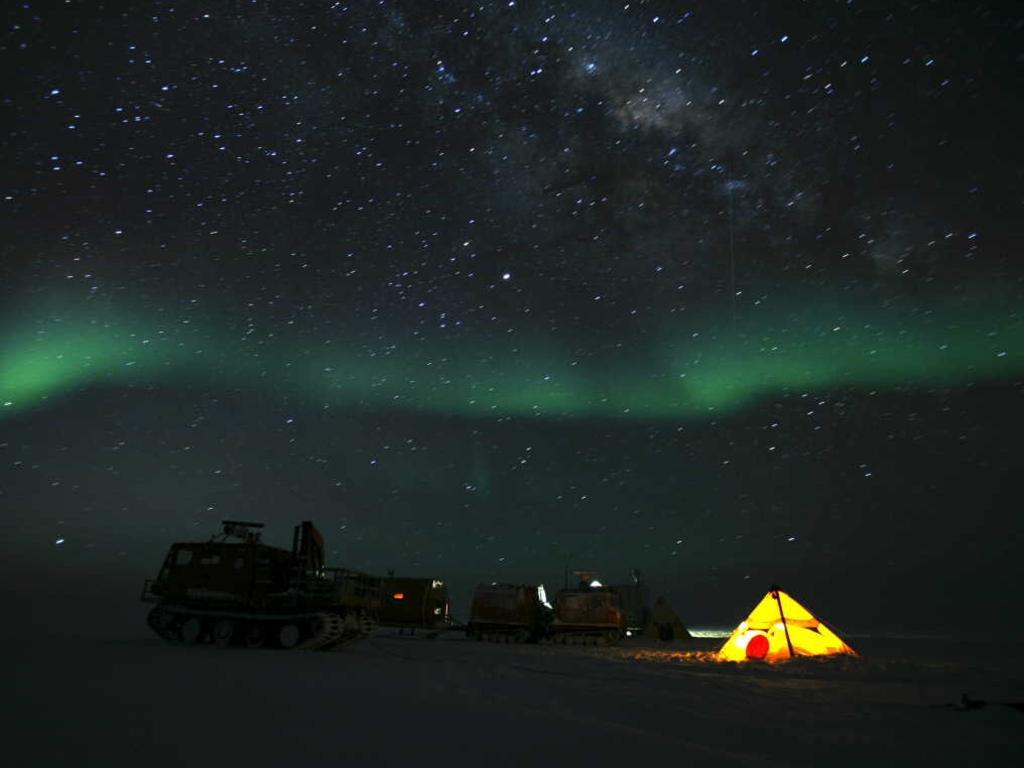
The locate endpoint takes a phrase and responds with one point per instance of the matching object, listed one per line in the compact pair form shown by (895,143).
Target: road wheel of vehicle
(289,635)
(192,630)
(223,632)
(255,637)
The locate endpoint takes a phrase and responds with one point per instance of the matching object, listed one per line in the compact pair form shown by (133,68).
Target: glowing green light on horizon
(676,375)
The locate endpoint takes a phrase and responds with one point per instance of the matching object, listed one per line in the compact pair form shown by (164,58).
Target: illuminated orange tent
(780,628)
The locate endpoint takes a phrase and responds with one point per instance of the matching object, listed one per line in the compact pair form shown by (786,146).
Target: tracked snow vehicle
(509,613)
(236,590)
(414,603)
(587,615)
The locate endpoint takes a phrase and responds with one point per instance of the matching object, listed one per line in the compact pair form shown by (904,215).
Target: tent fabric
(664,623)
(789,628)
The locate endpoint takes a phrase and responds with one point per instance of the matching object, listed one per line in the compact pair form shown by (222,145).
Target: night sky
(729,292)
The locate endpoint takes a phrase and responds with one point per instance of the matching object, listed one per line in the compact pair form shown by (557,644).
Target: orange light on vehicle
(399,596)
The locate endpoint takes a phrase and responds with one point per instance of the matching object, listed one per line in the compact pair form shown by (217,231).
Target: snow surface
(129,699)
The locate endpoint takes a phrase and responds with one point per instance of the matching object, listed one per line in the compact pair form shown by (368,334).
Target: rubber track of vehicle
(342,633)
(329,631)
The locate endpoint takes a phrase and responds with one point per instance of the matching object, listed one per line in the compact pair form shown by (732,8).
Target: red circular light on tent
(757,647)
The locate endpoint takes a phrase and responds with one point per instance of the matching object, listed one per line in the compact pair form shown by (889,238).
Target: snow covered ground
(128,699)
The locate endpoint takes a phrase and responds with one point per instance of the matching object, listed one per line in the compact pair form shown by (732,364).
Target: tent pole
(785,626)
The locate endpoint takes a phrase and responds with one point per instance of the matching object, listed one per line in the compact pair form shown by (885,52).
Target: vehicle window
(184,557)
(211,560)
(239,563)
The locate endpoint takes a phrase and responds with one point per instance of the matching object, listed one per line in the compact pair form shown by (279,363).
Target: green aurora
(690,372)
